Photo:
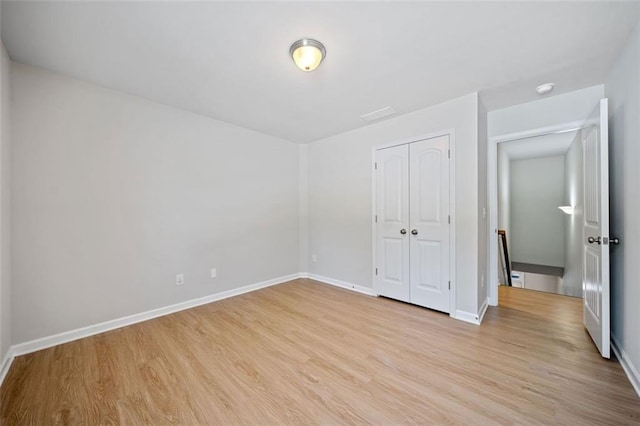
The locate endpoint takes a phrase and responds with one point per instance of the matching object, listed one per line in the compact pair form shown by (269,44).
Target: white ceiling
(230,60)
(538,146)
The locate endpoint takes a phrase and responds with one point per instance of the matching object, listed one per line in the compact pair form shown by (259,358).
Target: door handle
(592,240)
(615,240)
(414,232)
(403,231)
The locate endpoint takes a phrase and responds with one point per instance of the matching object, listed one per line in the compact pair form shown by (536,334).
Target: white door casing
(392,219)
(429,223)
(413,195)
(595,276)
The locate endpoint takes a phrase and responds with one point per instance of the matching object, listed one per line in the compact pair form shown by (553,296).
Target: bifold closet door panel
(429,223)
(392,222)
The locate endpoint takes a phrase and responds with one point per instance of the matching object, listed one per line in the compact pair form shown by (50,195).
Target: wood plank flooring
(305,352)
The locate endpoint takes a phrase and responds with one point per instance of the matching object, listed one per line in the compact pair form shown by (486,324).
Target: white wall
(623,90)
(340,194)
(546,112)
(303,208)
(5,191)
(572,279)
(537,225)
(113,195)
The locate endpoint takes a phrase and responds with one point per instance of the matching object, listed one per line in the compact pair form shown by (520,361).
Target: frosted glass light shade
(307,53)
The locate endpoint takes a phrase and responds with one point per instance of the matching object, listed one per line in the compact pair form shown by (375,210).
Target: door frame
(452,207)
(492,175)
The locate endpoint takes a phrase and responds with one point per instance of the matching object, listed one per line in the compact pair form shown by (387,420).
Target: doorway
(539,211)
(592,134)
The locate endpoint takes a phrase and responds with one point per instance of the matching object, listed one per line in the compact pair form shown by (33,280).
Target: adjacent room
(539,182)
(297,212)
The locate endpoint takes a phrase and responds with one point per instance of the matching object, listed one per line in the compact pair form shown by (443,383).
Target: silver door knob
(414,232)
(403,231)
(615,240)
(592,240)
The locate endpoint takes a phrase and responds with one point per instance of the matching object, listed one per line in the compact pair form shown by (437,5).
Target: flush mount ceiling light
(545,88)
(307,53)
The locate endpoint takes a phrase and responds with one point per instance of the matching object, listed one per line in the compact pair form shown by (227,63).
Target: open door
(595,274)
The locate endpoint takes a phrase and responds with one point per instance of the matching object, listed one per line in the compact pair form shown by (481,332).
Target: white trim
(453,293)
(492,179)
(68,336)
(627,365)
(467,317)
(6,364)
(451,133)
(343,284)
(532,133)
(483,309)
(413,139)
(374,229)
(492,175)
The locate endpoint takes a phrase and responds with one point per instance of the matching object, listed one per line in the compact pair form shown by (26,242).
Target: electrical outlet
(179,279)
(214,273)
(314,258)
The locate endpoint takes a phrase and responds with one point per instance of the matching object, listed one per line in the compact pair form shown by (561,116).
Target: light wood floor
(305,352)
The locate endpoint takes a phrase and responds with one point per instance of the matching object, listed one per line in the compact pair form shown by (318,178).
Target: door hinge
(375,165)
(449,219)
(448,153)
(376,271)
(449,285)
(376,218)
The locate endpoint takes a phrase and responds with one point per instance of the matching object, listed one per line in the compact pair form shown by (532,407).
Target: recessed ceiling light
(307,53)
(545,88)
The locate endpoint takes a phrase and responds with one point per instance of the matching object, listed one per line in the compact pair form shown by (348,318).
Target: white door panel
(392,217)
(595,280)
(429,222)
(430,274)
(393,260)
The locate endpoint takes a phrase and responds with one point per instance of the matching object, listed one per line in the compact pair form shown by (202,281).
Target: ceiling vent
(377,115)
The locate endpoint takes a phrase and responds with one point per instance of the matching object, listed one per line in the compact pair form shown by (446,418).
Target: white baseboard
(68,336)
(342,284)
(467,317)
(483,309)
(80,333)
(6,364)
(627,365)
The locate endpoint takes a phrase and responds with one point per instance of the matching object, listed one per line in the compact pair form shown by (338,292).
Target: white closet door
(392,211)
(429,223)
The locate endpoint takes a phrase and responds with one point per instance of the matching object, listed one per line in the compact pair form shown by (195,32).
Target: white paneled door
(429,218)
(595,277)
(413,224)
(392,222)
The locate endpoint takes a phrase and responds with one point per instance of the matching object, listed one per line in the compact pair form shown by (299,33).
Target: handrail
(502,234)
